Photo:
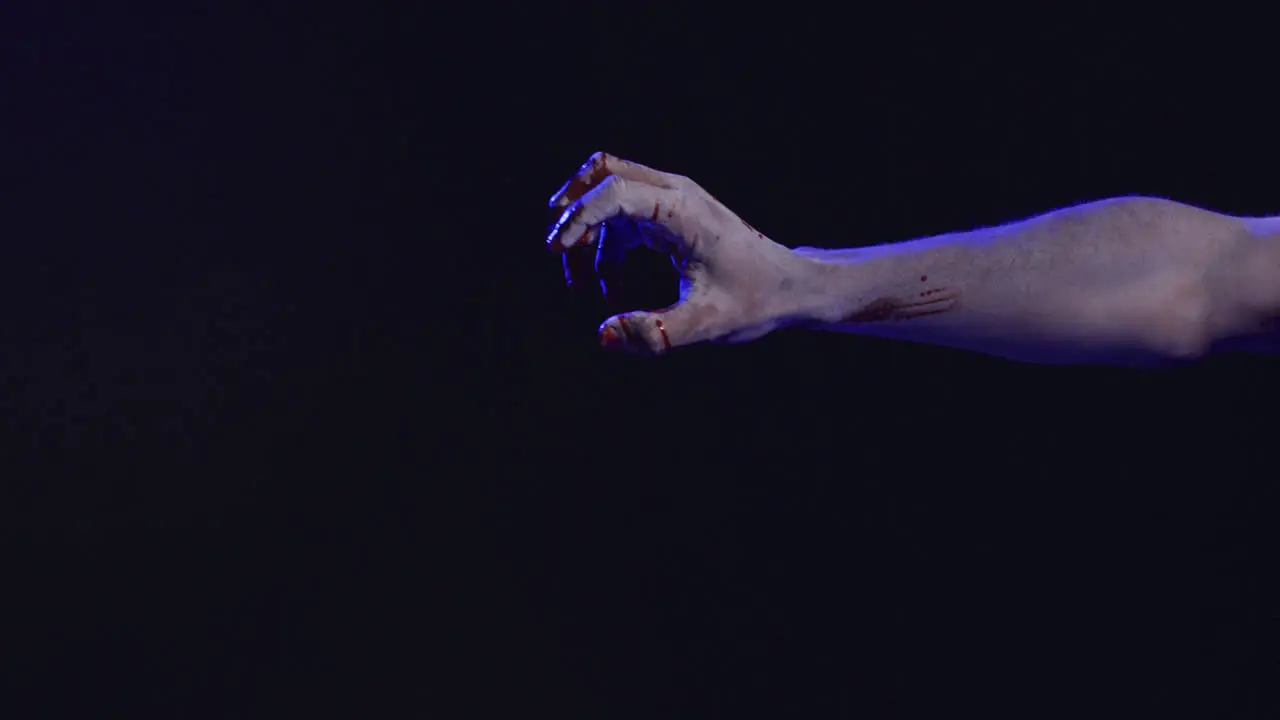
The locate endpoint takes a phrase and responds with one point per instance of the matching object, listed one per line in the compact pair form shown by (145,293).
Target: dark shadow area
(297,415)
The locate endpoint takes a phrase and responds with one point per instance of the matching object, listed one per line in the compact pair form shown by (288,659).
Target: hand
(735,284)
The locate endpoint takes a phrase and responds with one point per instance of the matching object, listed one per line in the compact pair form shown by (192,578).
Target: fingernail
(557,199)
(609,337)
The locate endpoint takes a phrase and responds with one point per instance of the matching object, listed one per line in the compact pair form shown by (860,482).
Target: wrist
(822,287)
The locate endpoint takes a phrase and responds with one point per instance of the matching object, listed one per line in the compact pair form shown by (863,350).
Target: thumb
(653,332)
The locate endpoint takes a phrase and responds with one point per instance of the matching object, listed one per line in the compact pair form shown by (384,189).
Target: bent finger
(660,207)
(603,165)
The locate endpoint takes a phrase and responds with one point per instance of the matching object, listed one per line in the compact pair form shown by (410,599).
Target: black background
(298,417)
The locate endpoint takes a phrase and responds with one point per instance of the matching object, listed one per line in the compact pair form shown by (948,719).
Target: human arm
(1104,282)
(1125,280)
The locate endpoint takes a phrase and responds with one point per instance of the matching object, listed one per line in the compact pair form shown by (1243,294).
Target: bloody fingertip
(609,337)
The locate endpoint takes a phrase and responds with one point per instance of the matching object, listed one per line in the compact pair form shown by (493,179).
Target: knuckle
(688,184)
(689,203)
(604,193)
(599,163)
(593,162)
(613,189)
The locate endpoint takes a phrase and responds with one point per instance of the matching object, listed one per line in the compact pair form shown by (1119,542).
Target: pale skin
(1122,281)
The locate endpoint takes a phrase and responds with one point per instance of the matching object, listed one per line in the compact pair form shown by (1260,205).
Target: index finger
(600,166)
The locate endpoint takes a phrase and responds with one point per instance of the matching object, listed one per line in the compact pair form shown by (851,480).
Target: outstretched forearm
(1106,282)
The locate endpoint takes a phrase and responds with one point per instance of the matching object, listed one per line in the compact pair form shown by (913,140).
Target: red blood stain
(608,338)
(622,323)
(666,342)
(876,311)
(656,210)
(923,278)
(760,235)
(894,309)
(670,213)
